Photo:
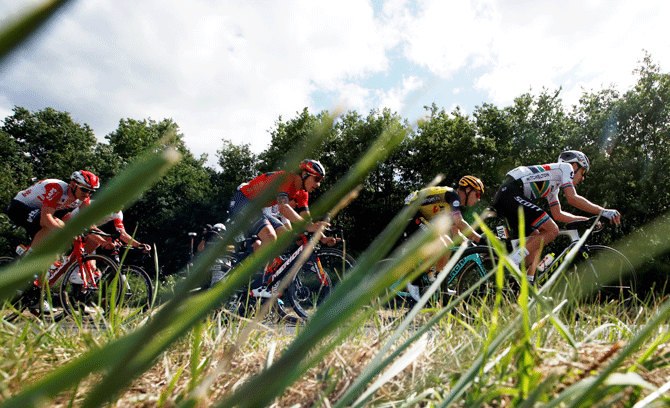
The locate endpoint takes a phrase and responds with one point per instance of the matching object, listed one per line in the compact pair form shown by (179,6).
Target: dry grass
(30,351)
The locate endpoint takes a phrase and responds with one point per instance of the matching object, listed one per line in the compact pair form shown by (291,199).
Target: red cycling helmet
(313,167)
(86,179)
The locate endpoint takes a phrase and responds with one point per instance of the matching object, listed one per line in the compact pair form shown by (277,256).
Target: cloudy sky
(228,69)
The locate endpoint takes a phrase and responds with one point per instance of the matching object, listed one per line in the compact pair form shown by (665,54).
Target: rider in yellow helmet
(441,200)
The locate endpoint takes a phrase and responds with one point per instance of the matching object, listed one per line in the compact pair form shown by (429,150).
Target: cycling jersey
(273,210)
(25,209)
(111,224)
(247,191)
(254,187)
(544,180)
(526,184)
(50,193)
(437,199)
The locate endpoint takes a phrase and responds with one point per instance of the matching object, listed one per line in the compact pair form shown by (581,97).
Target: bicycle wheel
(79,300)
(138,291)
(608,274)
(312,284)
(475,263)
(334,262)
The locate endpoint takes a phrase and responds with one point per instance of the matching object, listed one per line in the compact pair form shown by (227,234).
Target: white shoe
(44,306)
(414,292)
(261,292)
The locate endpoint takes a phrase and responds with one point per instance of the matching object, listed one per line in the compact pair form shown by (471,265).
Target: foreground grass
(222,353)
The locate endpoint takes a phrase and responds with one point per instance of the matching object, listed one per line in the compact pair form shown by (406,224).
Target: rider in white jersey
(525,184)
(35,207)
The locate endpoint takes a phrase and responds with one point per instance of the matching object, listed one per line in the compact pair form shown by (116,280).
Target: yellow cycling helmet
(471,181)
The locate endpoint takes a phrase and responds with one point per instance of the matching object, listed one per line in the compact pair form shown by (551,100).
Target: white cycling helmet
(575,156)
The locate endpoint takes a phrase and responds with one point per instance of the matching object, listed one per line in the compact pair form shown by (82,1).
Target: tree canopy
(625,134)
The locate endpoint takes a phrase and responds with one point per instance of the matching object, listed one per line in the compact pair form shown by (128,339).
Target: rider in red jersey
(38,208)
(296,186)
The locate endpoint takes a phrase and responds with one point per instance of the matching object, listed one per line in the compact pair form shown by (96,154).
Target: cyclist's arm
(580,202)
(290,214)
(464,228)
(48,219)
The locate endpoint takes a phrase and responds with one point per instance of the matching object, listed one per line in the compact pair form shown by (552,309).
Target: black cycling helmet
(86,179)
(471,181)
(313,167)
(575,156)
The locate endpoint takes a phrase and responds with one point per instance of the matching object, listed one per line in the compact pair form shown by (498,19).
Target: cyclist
(210,232)
(274,211)
(111,224)
(295,186)
(40,207)
(441,200)
(525,184)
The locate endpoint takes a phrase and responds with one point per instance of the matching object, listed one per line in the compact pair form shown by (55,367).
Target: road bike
(470,260)
(88,285)
(310,286)
(598,272)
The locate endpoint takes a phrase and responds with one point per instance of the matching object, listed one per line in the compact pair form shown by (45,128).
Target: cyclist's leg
(546,232)
(539,227)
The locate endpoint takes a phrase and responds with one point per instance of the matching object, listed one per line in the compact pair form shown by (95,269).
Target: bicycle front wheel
(334,262)
(475,264)
(138,291)
(96,297)
(312,285)
(608,273)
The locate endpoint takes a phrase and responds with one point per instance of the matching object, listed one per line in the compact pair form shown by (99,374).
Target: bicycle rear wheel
(138,291)
(608,274)
(90,300)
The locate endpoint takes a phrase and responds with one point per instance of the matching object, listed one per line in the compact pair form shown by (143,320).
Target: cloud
(229,69)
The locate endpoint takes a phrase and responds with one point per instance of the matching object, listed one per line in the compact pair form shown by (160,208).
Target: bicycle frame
(76,255)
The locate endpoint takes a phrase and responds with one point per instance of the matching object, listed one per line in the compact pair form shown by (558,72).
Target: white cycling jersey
(544,180)
(50,192)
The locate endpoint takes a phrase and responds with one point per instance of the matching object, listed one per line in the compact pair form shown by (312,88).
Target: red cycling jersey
(254,187)
(50,193)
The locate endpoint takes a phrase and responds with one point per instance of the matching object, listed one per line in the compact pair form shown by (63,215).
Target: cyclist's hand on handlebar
(483,241)
(612,215)
(145,247)
(316,225)
(330,241)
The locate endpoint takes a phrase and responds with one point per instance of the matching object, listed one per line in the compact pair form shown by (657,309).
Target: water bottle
(546,261)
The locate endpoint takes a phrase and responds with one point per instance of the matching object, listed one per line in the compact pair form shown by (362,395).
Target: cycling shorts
(25,216)
(237,203)
(507,201)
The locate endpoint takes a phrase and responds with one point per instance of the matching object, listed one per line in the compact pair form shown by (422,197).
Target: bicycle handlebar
(584,224)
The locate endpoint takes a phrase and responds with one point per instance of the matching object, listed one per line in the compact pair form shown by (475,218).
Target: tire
(81,302)
(475,263)
(138,290)
(311,287)
(334,262)
(608,275)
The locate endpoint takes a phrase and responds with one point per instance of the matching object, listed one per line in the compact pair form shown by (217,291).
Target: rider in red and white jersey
(525,184)
(36,207)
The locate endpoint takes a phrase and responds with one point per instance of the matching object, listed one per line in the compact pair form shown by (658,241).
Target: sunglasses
(85,190)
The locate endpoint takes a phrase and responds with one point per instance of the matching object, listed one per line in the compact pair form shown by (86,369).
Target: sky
(225,69)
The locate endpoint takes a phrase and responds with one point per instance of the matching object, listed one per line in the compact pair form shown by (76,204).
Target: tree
(51,142)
